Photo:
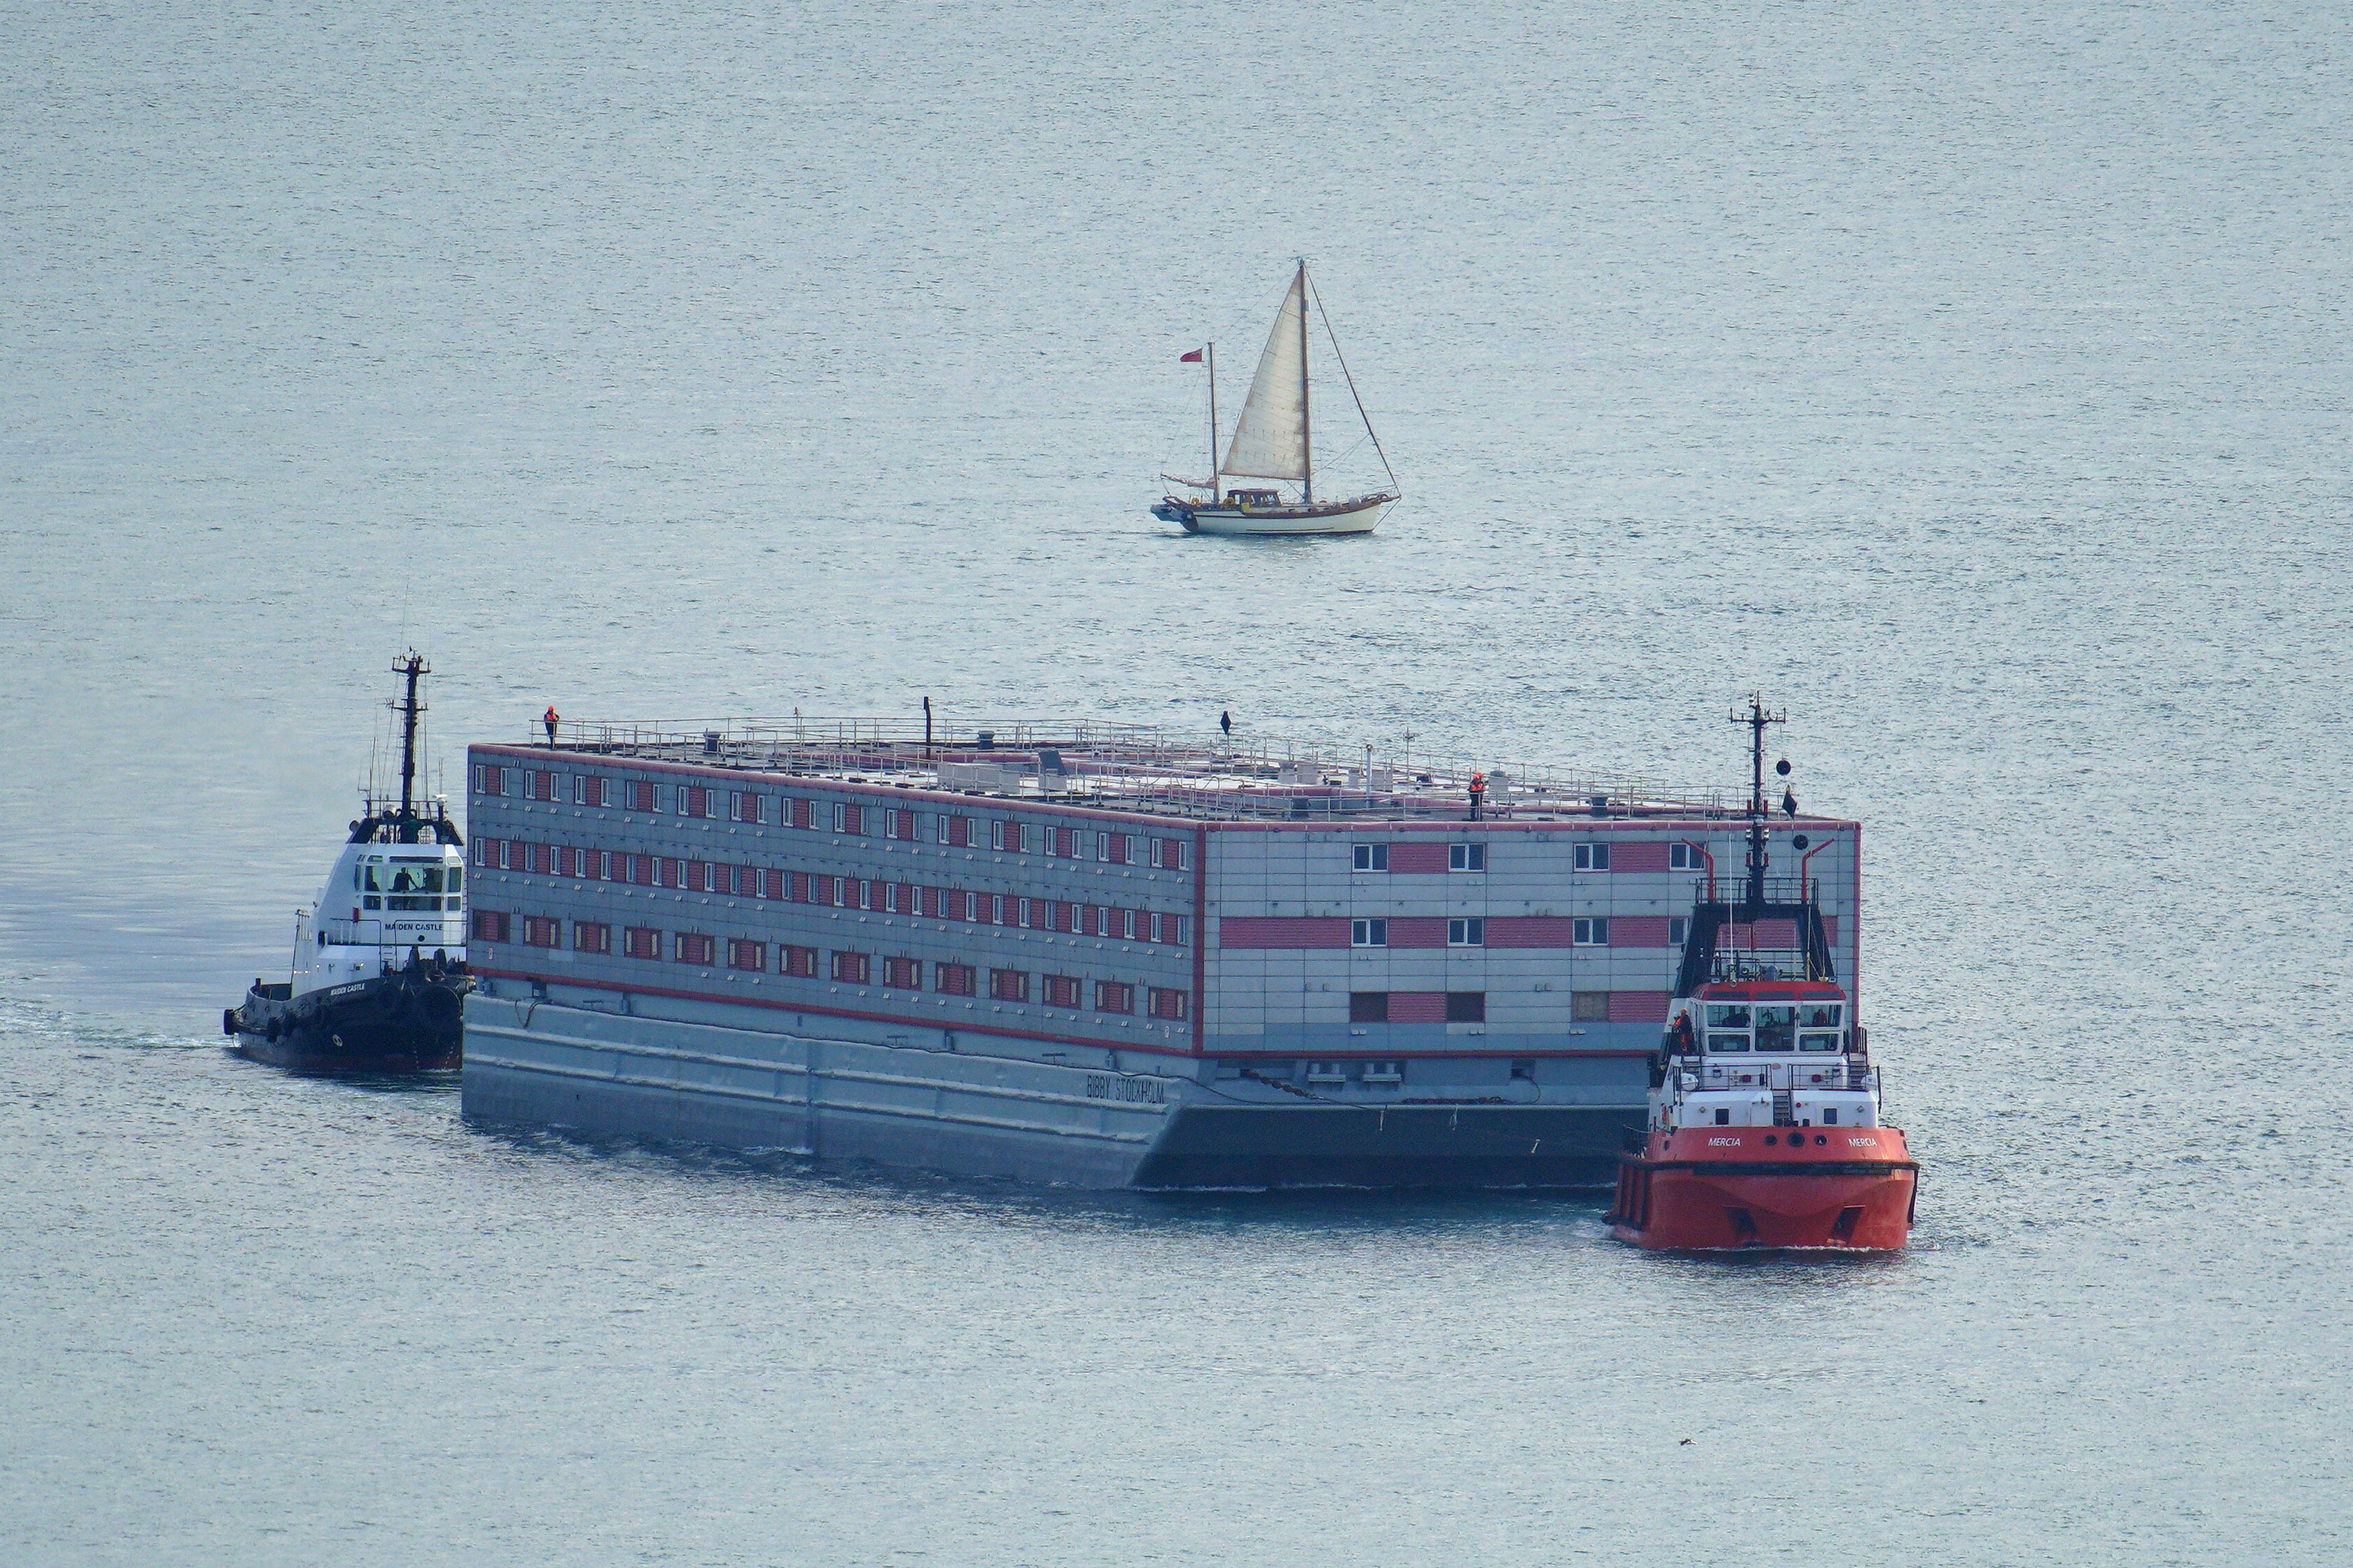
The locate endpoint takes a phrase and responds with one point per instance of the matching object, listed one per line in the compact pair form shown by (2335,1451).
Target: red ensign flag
(1193,358)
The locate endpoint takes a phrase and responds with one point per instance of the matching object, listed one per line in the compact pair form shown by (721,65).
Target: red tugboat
(1764,1128)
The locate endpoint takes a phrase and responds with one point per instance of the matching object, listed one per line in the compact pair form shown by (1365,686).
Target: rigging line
(1351,381)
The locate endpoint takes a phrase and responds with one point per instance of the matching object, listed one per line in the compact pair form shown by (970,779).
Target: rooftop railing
(1144,768)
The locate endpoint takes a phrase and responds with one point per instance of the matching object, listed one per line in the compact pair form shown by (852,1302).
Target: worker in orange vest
(551,719)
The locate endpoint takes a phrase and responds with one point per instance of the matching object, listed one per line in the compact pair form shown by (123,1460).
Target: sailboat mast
(1306,449)
(1217,487)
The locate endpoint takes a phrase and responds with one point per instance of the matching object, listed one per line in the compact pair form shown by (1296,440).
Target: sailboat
(1273,441)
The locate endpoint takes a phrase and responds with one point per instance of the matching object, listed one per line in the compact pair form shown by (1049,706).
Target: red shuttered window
(953,979)
(588,789)
(1167,1004)
(696,948)
(591,936)
(1114,996)
(1008,985)
(641,942)
(1061,991)
(905,973)
(799,961)
(851,968)
(743,953)
(641,795)
(490,925)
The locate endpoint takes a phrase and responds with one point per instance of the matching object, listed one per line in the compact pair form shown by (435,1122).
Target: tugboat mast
(413,667)
(1756,719)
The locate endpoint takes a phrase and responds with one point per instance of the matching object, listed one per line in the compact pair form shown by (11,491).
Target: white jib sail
(1270,439)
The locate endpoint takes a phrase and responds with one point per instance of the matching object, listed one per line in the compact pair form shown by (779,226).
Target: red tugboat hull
(1727,1188)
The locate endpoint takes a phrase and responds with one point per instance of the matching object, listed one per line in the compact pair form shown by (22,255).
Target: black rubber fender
(228,1021)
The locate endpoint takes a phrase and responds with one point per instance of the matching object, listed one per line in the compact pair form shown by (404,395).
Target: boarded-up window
(1114,996)
(1167,1004)
(1466,1006)
(592,936)
(953,979)
(853,968)
(490,925)
(1008,985)
(1369,1007)
(743,953)
(1588,1006)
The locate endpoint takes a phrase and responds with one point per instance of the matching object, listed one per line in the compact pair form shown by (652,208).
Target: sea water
(1970,380)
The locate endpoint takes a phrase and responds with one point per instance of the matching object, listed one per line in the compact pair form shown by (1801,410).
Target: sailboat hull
(1359,515)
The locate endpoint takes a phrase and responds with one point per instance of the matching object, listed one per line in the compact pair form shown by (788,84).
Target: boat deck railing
(1142,768)
(1715,1075)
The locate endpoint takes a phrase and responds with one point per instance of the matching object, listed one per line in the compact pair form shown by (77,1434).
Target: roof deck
(1142,768)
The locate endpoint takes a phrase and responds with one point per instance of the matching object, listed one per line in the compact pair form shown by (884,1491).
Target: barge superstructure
(1088,954)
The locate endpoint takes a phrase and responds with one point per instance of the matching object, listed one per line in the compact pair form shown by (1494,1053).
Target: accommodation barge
(1088,954)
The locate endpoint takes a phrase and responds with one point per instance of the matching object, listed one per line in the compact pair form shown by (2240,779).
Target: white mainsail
(1271,440)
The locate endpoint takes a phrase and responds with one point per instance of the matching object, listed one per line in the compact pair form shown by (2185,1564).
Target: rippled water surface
(1971,379)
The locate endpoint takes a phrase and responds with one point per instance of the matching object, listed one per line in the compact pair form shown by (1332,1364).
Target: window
(1470,932)
(800,960)
(1372,858)
(1008,985)
(1368,933)
(538,931)
(486,853)
(1466,1006)
(488,780)
(955,832)
(641,795)
(1682,856)
(1114,996)
(953,979)
(744,806)
(490,925)
(1776,1029)
(1169,854)
(542,786)
(853,968)
(1103,847)
(743,953)
(1678,930)
(1588,1006)
(591,936)
(903,974)
(691,948)
(997,835)
(1466,856)
(588,789)
(1169,929)
(1593,857)
(1723,1117)
(1590,931)
(1061,991)
(850,818)
(1369,1007)
(793,813)
(1167,1004)
(693,800)
(640,942)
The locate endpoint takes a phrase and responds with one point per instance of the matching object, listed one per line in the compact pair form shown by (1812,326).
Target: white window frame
(1369,857)
(1592,857)
(1371,931)
(1461,857)
(1466,931)
(1678,930)
(1685,856)
(1591,930)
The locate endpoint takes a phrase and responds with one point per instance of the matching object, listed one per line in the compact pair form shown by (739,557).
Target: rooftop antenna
(408,708)
(1757,718)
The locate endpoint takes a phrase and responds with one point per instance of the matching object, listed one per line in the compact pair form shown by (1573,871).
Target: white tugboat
(379,974)
(1273,441)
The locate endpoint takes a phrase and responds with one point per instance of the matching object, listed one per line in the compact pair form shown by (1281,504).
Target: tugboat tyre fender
(439,1005)
(228,1021)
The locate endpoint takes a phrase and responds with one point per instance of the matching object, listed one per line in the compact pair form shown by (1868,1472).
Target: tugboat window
(1814,1042)
(1718,1044)
(1720,1016)
(1819,1015)
(1776,1029)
